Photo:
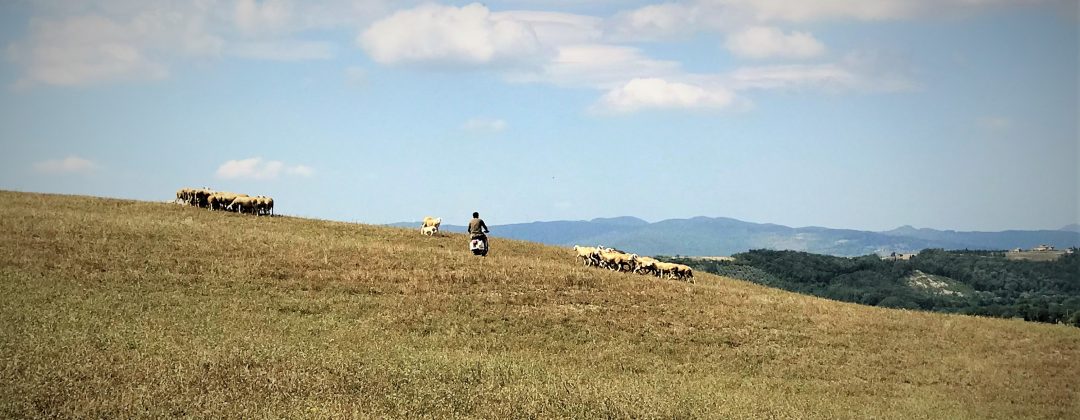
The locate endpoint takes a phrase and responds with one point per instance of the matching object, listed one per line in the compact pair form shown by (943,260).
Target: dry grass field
(119,309)
(1035,255)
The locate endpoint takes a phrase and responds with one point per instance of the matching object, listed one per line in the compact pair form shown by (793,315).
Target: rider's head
(475,214)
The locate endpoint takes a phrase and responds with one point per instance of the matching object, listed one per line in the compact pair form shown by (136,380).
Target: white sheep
(432,222)
(589,255)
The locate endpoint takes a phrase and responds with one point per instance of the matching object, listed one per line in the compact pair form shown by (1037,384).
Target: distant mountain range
(710,236)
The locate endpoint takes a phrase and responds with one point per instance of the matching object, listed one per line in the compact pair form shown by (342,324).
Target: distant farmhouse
(1040,253)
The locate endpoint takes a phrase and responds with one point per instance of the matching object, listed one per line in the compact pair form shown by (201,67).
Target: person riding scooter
(477,232)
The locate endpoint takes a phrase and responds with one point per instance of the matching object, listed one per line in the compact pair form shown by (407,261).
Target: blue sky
(865,114)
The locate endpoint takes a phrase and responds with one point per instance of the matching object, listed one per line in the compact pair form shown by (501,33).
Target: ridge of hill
(1007,239)
(705,236)
(114,308)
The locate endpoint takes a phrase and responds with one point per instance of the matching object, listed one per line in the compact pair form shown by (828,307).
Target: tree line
(967,282)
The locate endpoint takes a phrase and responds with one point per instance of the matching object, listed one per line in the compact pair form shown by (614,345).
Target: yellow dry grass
(117,309)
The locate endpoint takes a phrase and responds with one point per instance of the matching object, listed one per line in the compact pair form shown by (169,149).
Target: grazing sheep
(264,205)
(201,197)
(646,265)
(268,206)
(218,200)
(432,221)
(589,255)
(428,230)
(222,200)
(618,261)
(614,259)
(183,195)
(188,196)
(684,272)
(666,269)
(232,200)
(245,205)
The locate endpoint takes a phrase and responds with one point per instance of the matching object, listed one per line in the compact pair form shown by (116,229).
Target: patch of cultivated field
(116,309)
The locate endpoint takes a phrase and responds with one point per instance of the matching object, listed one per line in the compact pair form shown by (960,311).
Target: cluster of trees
(970,282)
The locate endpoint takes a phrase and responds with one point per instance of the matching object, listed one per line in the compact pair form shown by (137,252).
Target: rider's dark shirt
(477,226)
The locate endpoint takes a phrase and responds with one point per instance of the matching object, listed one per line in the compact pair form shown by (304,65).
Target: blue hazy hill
(701,236)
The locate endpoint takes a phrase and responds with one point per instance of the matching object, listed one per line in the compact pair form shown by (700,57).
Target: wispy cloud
(261,170)
(452,37)
(681,18)
(599,66)
(285,50)
(300,170)
(484,125)
(70,164)
(96,42)
(85,49)
(765,42)
(657,93)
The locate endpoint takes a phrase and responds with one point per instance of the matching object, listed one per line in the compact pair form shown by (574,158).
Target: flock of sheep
(598,256)
(604,257)
(222,200)
(616,260)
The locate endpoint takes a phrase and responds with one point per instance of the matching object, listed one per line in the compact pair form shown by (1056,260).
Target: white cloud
(857,71)
(821,76)
(70,164)
(87,42)
(300,170)
(263,16)
(778,10)
(286,50)
(686,17)
(867,10)
(445,36)
(598,66)
(655,21)
(255,18)
(258,169)
(764,42)
(484,125)
(83,50)
(657,93)
(554,29)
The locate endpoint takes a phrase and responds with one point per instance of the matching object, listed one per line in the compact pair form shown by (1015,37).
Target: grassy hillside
(115,309)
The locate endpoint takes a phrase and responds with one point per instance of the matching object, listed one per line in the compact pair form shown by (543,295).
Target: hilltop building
(1040,253)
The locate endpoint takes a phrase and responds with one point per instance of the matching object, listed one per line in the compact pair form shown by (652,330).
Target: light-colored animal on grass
(428,230)
(666,269)
(590,256)
(184,195)
(264,205)
(618,261)
(431,222)
(646,265)
(201,197)
(222,200)
(245,205)
(684,272)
